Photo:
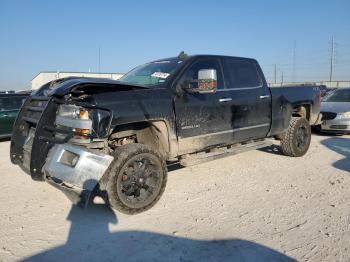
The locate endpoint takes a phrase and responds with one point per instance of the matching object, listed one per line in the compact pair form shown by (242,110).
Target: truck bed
(284,98)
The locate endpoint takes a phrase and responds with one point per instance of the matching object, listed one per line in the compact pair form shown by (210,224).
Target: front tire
(136,178)
(296,140)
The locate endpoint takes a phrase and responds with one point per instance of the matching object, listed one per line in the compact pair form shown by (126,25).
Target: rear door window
(241,73)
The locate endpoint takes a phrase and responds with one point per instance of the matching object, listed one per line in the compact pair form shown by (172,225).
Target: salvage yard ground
(258,205)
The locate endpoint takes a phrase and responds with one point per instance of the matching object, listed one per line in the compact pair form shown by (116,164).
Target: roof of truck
(204,55)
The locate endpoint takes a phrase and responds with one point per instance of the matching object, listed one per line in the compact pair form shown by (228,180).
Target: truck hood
(84,85)
(335,107)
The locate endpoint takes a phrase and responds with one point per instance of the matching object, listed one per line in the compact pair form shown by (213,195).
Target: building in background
(47,76)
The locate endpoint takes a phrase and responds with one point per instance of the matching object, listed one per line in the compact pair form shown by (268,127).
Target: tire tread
(288,138)
(121,156)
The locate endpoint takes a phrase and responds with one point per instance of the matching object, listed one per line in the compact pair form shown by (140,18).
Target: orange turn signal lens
(81,133)
(83,114)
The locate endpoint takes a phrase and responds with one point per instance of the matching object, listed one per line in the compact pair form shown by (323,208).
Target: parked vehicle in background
(90,136)
(335,109)
(6,92)
(10,104)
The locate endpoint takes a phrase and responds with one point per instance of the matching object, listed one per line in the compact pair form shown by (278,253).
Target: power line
(321,67)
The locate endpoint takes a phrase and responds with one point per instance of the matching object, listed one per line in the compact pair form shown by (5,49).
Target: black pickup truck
(112,138)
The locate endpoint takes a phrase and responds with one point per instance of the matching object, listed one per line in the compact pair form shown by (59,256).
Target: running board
(201,157)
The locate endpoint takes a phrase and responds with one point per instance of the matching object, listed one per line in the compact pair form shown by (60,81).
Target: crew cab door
(202,119)
(251,98)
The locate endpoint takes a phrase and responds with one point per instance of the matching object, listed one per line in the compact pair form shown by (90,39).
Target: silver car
(335,109)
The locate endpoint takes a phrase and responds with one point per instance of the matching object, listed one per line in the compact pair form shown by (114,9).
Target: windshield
(152,74)
(338,96)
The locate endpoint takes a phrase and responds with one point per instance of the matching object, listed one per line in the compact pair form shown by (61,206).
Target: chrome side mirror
(207,81)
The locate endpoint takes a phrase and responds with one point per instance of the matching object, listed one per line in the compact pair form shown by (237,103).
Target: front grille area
(328,115)
(339,127)
(28,145)
(34,109)
(35,133)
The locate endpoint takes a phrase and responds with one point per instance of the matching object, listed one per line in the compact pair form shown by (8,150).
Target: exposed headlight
(73,111)
(344,115)
(77,118)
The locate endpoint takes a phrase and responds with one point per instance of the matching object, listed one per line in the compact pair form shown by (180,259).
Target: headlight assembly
(77,118)
(345,115)
(86,123)
(73,111)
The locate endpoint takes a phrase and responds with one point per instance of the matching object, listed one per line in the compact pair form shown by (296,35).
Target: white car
(335,109)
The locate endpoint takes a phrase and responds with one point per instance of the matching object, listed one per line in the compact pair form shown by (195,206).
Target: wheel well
(302,111)
(153,133)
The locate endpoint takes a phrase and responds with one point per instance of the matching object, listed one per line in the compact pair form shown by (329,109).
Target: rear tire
(136,178)
(296,140)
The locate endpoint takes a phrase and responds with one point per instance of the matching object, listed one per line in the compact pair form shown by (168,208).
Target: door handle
(225,99)
(264,97)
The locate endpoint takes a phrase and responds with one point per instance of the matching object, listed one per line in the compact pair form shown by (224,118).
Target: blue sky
(66,35)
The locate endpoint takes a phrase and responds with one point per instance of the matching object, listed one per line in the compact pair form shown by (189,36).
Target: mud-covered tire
(134,168)
(296,140)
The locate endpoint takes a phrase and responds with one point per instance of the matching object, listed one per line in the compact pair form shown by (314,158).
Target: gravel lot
(258,205)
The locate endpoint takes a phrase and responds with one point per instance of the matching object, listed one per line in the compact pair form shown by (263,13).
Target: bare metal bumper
(75,170)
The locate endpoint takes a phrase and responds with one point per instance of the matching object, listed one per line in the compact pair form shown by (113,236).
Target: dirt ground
(256,206)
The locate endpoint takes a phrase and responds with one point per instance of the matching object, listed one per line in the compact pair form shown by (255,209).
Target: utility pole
(294,61)
(332,60)
(282,78)
(99,59)
(275,73)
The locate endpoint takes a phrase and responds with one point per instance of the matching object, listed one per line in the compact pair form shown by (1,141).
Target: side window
(11,103)
(191,73)
(241,73)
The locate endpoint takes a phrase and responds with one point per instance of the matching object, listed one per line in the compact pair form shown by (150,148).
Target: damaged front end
(52,141)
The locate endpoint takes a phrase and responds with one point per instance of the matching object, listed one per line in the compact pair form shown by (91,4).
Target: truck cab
(237,108)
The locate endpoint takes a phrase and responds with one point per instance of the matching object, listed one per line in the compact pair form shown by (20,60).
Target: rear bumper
(75,171)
